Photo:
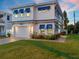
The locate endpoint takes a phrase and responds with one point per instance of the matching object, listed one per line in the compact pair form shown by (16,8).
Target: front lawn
(73,37)
(40,50)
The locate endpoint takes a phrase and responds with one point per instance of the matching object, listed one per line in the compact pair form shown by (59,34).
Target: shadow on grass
(53,50)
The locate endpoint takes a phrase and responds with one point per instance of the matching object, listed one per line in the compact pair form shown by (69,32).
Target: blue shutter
(42,27)
(44,8)
(49,26)
(15,12)
(21,10)
(27,10)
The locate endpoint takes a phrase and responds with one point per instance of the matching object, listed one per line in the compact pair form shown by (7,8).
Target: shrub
(63,33)
(52,37)
(34,36)
(40,36)
(2,36)
(57,36)
(48,37)
(8,34)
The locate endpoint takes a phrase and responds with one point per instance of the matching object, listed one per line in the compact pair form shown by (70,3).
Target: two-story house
(43,18)
(5,23)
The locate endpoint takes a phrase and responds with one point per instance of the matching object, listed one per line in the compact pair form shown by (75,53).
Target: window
(28,14)
(27,10)
(42,27)
(8,17)
(43,8)
(1,16)
(15,12)
(49,26)
(21,10)
(46,28)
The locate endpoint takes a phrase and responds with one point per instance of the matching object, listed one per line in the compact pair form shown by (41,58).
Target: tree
(77,27)
(66,21)
(70,29)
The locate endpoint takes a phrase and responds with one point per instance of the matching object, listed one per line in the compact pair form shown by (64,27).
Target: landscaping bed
(2,36)
(47,37)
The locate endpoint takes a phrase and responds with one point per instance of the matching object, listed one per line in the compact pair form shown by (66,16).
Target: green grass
(73,37)
(40,50)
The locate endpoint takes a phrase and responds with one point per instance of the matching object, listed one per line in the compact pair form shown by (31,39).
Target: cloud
(38,1)
(73,1)
(76,3)
(66,5)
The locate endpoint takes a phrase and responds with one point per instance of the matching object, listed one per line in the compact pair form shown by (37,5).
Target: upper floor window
(27,10)
(21,10)
(15,12)
(8,17)
(43,8)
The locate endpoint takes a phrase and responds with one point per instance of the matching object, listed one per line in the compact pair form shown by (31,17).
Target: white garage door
(22,31)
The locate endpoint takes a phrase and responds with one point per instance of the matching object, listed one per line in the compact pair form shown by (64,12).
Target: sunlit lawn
(73,37)
(41,50)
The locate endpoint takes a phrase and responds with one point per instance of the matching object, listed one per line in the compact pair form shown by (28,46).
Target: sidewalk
(12,39)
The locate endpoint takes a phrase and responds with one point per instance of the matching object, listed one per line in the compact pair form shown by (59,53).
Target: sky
(68,5)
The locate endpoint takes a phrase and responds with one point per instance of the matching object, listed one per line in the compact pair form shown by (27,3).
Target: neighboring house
(5,23)
(43,18)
